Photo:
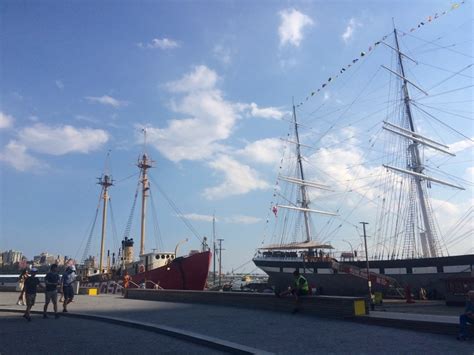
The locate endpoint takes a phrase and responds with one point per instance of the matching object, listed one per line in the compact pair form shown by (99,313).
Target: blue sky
(213,83)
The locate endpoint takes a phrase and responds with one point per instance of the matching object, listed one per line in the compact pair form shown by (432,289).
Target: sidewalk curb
(424,326)
(185,335)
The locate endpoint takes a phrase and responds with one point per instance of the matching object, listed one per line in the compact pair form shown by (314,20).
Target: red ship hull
(183,273)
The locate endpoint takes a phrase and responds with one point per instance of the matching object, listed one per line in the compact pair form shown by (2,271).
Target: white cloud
(266,112)
(343,166)
(291,27)
(459,146)
(198,217)
(327,96)
(200,78)
(209,119)
(444,209)
(469,174)
(241,219)
(447,212)
(160,43)
(16,155)
(59,84)
(107,100)
(267,151)
(350,28)
(6,121)
(61,139)
(223,54)
(238,179)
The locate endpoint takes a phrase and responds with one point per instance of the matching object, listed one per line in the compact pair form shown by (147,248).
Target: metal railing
(133,283)
(156,286)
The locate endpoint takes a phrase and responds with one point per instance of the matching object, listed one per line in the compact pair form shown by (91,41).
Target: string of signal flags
(372,47)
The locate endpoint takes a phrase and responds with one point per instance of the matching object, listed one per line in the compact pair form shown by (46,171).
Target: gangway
(374,277)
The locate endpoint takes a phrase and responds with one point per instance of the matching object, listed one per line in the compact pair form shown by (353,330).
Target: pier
(132,326)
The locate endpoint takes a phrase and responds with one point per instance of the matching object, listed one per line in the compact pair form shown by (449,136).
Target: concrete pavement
(274,332)
(77,336)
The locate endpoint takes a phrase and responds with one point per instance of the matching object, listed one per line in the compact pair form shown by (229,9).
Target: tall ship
(381,199)
(155,269)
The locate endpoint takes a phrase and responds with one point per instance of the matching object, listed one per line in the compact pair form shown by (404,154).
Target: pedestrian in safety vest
(300,288)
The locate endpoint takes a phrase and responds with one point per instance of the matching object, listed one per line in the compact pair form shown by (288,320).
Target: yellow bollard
(359,308)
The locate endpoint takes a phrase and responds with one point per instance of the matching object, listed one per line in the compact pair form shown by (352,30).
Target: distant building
(44,259)
(90,263)
(37,260)
(11,257)
(59,260)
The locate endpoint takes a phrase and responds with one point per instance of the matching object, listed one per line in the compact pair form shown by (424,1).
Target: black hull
(429,273)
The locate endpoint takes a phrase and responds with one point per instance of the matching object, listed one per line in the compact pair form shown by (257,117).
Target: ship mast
(304,196)
(214,249)
(105,181)
(429,243)
(144,164)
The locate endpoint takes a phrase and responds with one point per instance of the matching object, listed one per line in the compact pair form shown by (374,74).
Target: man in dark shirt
(51,294)
(31,284)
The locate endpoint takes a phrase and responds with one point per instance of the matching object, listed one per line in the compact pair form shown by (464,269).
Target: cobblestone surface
(271,331)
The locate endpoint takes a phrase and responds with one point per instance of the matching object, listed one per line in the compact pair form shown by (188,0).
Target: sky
(213,83)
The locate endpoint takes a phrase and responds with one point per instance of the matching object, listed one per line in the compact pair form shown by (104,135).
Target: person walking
(31,285)
(467,317)
(68,292)
(21,285)
(51,294)
(61,292)
(126,281)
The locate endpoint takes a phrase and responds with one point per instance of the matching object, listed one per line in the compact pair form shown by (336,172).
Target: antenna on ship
(105,181)
(429,240)
(144,163)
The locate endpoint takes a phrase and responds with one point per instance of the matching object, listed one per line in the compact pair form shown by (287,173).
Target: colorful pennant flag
(372,47)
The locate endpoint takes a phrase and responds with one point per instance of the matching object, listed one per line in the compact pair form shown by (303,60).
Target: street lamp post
(367,261)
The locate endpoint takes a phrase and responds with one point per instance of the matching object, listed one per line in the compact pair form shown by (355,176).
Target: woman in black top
(31,284)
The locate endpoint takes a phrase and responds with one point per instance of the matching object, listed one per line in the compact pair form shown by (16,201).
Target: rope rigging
(156,229)
(128,227)
(94,221)
(178,211)
(399,220)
